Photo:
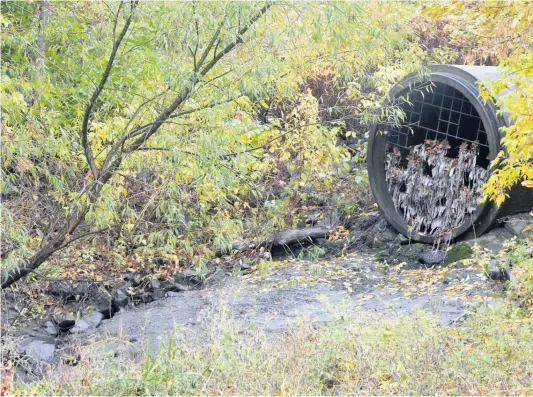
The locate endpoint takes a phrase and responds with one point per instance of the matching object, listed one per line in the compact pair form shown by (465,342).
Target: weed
(492,353)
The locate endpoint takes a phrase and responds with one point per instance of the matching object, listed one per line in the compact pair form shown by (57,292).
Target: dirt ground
(319,290)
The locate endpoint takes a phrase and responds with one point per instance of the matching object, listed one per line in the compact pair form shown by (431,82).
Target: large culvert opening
(436,161)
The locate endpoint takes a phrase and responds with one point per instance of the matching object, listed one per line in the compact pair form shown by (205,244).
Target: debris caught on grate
(435,193)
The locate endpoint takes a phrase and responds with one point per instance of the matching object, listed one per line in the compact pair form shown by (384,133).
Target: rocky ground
(392,277)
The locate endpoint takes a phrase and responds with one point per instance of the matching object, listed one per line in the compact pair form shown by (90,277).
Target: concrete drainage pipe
(423,172)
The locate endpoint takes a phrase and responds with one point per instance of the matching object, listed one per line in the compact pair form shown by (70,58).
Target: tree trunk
(54,243)
(39,56)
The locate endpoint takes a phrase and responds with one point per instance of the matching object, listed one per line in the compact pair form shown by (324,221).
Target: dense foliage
(179,126)
(175,128)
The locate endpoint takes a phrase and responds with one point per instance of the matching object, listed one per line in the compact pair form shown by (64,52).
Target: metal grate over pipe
(440,112)
(442,105)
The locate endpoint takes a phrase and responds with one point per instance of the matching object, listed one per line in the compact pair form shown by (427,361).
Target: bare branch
(216,36)
(237,41)
(92,101)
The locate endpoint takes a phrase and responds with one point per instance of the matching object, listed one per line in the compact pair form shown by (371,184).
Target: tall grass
(492,353)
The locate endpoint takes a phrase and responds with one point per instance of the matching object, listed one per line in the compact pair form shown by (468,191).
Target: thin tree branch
(237,41)
(92,101)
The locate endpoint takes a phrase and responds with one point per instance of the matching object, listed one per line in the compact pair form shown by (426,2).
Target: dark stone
(160,262)
(64,321)
(364,222)
(169,285)
(402,240)
(188,277)
(61,289)
(157,294)
(381,234)
(105,304)
(120,297)
(135,279)
(498,274)
(67,291)
(432,257)
(216,277)
(409,253)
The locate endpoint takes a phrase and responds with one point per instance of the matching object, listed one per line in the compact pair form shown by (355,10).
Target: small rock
(402,240)
(95,318)
(126,350)
(160,262)
(135,279)
(432,257)
(216,277)
(89,321)
(80,327)
(38,348)
(62,290)
(171,286)
(498,275)
(243,268)
(406,253)
(493,240)
(364,222)
(64,321)
(120,297)
(104,304)
(157,294)
(516,226)
(50,328)
(188,277)
(381,234)
(155,284)
(173,294)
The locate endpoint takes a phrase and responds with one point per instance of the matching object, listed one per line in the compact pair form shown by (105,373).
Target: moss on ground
(459,252)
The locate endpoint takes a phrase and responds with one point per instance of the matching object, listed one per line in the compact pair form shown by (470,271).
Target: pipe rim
(485,213)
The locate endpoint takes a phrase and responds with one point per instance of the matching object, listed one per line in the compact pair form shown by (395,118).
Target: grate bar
(457,119)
